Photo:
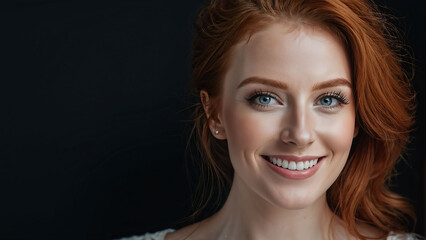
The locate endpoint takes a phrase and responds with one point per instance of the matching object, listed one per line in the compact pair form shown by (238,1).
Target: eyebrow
(265,81)
(278,84)
(332,83)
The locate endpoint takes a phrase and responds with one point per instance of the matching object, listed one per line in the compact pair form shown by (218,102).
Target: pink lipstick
(294,167)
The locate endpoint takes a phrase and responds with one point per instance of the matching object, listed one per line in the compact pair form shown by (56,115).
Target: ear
(215,122)
(356,130)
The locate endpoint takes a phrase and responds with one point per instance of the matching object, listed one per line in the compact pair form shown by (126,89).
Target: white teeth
(292,165)
(285,164)
(300,166)
(306,165)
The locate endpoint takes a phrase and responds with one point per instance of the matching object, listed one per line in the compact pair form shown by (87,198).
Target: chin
(296,200)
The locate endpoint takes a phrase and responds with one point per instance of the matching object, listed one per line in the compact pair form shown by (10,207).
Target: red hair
(383,100)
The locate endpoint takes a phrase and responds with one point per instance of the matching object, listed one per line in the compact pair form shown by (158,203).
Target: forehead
(285,52)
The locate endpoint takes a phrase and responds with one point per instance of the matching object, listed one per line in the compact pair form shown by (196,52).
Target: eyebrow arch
(279,84)
(332,83)
(264,81)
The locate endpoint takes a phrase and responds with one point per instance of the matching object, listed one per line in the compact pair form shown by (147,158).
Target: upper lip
(294,158)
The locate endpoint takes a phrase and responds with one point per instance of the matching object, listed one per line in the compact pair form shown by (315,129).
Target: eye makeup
(337,95)
(264,99)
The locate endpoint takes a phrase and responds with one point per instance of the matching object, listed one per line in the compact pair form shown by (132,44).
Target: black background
(93,98)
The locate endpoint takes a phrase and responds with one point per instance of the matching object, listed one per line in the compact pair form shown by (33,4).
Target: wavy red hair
(383,99)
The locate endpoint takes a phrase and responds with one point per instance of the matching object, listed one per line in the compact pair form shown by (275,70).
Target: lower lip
(294,174)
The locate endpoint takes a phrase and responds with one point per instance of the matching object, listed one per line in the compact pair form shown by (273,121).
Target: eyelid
(335,94)
(338,96)
(263,107)
(258,93)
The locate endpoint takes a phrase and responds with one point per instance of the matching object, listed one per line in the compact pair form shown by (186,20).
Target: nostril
(297,137)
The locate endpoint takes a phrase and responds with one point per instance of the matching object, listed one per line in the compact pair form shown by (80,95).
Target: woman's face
(288,113)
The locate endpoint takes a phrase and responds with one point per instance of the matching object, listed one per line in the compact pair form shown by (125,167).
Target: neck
(246,215)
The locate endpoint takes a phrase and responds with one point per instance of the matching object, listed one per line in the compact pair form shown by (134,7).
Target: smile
(297,165)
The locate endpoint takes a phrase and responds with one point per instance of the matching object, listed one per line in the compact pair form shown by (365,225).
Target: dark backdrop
(93,98)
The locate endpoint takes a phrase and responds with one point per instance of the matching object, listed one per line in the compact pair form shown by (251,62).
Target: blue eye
(266,99)
(262,100)
(332,100)
(328,101)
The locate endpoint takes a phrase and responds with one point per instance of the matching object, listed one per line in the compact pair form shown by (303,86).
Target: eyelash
(258,93)
(339,96)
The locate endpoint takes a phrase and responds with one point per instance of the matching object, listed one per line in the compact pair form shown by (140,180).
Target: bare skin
(216,227)
(298,119)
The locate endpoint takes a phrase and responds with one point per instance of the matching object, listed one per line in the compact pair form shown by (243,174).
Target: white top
(161,234)
(150,236)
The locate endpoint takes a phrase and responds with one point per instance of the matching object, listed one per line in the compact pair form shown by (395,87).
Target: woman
(304,110)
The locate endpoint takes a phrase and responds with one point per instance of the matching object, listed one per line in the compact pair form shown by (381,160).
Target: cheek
(246,130)
(241,130)
(338,133)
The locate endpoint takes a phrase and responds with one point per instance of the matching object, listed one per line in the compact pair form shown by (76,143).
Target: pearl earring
(216,131)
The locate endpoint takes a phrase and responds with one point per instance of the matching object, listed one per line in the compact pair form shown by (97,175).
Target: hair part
(383,101)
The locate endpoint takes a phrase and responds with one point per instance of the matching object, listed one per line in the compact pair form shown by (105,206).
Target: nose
(298,128)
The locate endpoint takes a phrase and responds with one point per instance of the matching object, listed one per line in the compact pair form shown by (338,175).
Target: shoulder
(404,236)
(372,232)
(182,233)
(150,236)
